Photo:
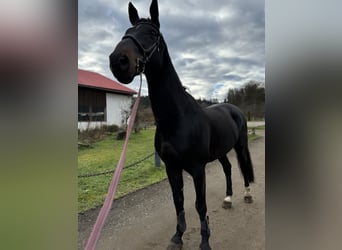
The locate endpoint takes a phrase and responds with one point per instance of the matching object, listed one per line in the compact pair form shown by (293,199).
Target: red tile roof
(94,80)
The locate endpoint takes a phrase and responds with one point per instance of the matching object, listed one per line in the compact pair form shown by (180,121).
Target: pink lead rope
(101,218)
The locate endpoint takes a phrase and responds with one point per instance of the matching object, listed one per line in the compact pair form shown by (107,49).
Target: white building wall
(90,125)
(116,104)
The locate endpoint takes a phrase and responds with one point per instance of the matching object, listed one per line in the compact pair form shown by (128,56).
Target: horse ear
(154,12)
(133,14)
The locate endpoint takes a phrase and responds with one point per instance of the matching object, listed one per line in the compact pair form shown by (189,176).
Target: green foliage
(112,128)
(250,99)
(96,134)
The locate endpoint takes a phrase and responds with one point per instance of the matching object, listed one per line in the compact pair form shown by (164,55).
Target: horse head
(139,47)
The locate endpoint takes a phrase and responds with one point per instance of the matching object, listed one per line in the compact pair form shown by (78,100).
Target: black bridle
(147,52)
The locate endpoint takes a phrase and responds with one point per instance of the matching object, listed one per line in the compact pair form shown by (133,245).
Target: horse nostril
(124,63)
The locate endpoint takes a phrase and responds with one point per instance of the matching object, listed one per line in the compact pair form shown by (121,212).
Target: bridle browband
(147,53)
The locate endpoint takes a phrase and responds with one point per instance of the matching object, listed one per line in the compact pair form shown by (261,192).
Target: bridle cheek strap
(147,53)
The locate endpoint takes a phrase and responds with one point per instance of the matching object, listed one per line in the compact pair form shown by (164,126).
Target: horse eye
(153,33)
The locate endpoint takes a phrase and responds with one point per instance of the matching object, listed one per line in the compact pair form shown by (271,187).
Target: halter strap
(147,53)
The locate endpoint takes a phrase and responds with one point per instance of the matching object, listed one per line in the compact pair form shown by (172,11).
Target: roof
(94,80)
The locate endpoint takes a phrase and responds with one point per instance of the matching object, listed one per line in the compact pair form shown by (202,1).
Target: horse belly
(222,141)
(184,146)
(219,151)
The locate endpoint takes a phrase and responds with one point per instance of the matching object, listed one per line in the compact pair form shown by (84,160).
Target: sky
(214,45)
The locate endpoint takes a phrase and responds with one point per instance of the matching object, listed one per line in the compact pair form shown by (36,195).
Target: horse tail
(243,155)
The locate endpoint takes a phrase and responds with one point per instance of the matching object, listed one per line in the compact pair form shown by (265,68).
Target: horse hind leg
(227,202)
(247,196)
(244,158)
(245,163)
(247,172)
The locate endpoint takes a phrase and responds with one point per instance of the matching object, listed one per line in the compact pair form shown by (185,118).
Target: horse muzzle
(123,64)
(121,68)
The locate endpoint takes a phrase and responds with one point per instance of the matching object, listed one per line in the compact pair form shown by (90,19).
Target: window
(83,112)
(91,104)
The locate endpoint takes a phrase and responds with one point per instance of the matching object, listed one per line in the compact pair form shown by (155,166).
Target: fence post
(156,159)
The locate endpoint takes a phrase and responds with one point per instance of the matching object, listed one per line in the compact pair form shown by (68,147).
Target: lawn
(104,155)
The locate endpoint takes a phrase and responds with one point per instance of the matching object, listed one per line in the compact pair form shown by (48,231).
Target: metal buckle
(140,66)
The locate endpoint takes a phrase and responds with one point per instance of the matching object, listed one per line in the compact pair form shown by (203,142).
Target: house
(101,101)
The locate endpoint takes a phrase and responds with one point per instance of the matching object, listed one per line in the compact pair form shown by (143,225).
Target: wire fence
(112,171)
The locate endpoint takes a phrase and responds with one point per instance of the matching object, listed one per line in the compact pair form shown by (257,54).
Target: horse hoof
(227,204)
(204,246)
(248,199)
(174,246)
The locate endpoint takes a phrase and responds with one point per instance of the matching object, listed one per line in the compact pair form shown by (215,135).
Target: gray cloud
(214,45)
(233,77)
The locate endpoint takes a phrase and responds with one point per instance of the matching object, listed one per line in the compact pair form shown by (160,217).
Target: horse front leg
(175,177)
(201,206)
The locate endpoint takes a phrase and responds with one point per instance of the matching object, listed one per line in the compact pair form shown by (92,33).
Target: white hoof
(248,197)
(227,202)
(247,191)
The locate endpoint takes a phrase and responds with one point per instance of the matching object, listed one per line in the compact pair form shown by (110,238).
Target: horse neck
(166,92)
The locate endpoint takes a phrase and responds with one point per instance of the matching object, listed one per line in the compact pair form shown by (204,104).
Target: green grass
(261,127)
(252,137)
(104,155)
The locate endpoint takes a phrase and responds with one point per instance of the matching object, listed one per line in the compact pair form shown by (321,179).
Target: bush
(121,135)
(96,134)
(112,128)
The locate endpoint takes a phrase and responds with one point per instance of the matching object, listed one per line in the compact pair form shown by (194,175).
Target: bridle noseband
(147,53)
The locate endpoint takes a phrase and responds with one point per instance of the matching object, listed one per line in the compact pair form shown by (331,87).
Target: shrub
(112,128)
(96,134)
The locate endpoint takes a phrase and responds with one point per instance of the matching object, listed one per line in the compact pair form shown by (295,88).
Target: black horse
(187,135)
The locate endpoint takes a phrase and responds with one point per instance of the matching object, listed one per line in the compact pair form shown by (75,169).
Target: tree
(235,96)
(250,98)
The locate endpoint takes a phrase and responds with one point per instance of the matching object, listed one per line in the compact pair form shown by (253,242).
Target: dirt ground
(146,219)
